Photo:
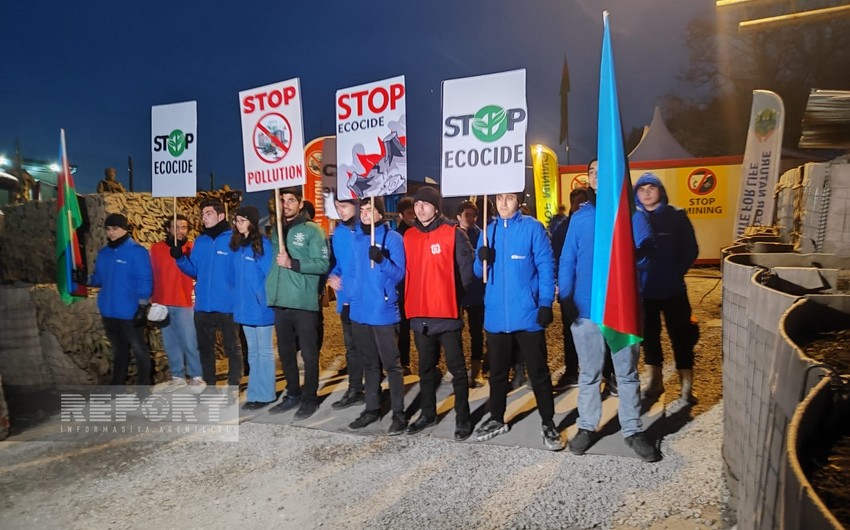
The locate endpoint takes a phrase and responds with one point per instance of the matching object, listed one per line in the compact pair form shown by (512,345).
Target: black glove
(141,316)
(569,311)
(375,254)
(79,276)
(176,252)
(544,316)
(487,254)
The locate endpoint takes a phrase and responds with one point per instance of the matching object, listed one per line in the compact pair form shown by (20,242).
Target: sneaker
(307,409)
(197,384)
(349,399)
(643,447)
(463,430)
(519,379)
(421,424)
(406,371)
(566,382)
(366,417)
(176,383)
(581,442)
(288,403)
(680,404)
(399,424)
(254,405)
(490,429)
(552,438)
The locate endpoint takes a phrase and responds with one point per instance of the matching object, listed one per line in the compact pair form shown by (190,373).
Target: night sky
(97,67)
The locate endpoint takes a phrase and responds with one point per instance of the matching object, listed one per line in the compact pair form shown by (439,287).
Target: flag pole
(486,222)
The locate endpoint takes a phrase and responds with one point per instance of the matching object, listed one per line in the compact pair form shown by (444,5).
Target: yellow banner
(546,182)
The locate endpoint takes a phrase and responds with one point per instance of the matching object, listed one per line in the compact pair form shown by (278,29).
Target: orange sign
(313,180)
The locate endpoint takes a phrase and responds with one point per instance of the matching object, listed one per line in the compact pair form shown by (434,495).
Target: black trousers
(429,354)
(206,324)
(376,345)
(532,349)
(354,365)
(677,317)
(403,334)
(570,353)
(301,325)
(475,316)
(124,335)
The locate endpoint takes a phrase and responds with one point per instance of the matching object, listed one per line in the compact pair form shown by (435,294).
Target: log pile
(27,254)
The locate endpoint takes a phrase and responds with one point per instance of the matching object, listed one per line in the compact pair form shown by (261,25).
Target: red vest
(429,281)
(170,286)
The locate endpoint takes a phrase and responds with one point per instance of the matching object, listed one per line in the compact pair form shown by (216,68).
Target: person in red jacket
(439,260)
(173,289)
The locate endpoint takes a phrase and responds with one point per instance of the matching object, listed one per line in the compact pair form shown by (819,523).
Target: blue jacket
(211,265)
(575,269)
(342,245)
(675,245)
(374,299)
(249,272)
(522,278)
(125,278)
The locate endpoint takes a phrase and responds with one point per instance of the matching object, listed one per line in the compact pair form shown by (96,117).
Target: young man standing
(173,289)
(341,280)
(473,299)
(574,286)
(291,289)
(439,262)
(664,289)
(122,270)
(518,302)
(210,264)
(374,313)
(406,218)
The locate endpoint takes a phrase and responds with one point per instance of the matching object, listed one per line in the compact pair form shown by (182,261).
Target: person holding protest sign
(291,289)
(518,300)
(375,314)
(439,261)
(211,266)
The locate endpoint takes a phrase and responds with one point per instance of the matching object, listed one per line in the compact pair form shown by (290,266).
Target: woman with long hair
(252,259)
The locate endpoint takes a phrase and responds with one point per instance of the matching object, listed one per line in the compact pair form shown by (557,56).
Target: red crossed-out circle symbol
(702,181)
(272,137)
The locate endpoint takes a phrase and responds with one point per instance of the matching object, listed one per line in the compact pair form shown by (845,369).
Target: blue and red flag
(615,303)
(68,219)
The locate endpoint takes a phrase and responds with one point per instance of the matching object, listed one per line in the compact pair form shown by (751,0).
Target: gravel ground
(293,477)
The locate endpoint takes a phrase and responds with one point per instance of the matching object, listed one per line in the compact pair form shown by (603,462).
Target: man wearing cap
(518,301)
(341,274)
(173,289)
(291,289)
(122,270)
(439,261)
(375,315)
(210,264)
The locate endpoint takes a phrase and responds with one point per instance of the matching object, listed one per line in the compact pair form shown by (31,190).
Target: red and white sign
(371,143)
(272,136)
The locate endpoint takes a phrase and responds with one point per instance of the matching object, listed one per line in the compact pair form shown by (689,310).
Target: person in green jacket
(291,288)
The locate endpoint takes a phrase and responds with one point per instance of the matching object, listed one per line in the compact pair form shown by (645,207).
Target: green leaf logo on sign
(176,142)
(490,123)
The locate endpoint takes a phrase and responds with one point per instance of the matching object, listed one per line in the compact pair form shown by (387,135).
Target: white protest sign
(174,149)
(371,136)
(484,126)
(272,136)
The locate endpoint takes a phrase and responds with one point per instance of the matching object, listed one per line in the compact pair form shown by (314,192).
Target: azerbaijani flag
(615,304)
(68,219)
